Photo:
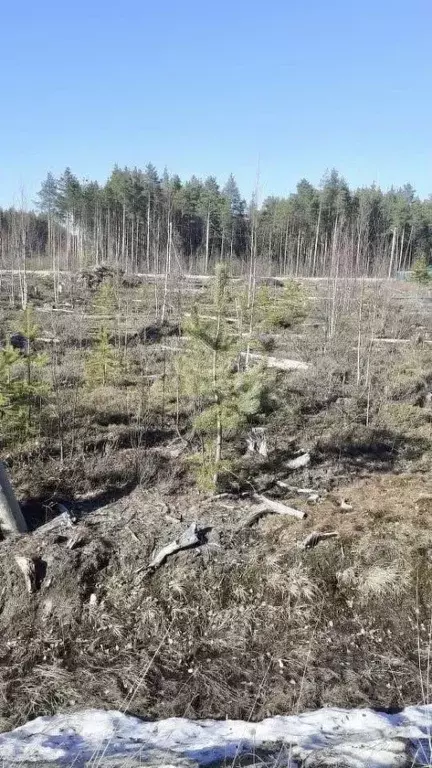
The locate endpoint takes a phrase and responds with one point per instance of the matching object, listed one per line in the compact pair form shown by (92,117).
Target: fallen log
(190,538)
(212,317)
(382,340)
(282,364)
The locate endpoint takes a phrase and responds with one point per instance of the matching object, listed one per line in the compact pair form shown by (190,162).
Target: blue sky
(289,87)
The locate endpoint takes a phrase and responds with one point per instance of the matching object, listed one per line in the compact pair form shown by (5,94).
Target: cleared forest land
(255,616)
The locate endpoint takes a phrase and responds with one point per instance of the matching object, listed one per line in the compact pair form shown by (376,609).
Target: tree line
(140,221)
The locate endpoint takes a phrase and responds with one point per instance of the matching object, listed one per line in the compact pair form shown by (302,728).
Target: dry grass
(252,623)
(255,624)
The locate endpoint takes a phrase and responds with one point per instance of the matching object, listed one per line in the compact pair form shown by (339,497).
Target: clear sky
(290,86)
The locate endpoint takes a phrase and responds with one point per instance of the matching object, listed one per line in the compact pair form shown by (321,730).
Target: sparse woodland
(161,386)
(140,221)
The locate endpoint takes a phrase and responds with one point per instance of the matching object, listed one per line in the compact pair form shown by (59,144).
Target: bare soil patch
(246,625)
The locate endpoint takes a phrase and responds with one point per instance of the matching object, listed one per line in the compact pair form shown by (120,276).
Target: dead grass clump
(403,418)
(380,583)
(109,405)
(359,446)
(410,378)
(69,372)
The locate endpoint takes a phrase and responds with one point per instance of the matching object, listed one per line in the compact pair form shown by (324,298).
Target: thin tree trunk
(219,436)
(167,272)
(399,267)
(286,248)
(316,240)
(393,248)
(148,236)
(156,261)
(297,255)
(132,240)
(408,249)
(123,248)
(207,243)
(135,266)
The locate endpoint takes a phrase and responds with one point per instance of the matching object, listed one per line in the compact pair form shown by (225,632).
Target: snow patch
(360,738)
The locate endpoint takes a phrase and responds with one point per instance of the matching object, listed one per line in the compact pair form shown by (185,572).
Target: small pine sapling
(279,308)
(421,271)
(224,397)
(22,383)
(106,302)
(102,365)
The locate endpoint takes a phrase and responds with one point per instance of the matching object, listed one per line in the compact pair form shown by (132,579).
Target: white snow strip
(365,739)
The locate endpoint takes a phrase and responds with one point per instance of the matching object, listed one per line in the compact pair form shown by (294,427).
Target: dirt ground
(248,623)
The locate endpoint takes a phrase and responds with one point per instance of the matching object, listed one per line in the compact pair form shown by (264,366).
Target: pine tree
(105,300)
(48,195)
(280,308)
(22,383)
(224,396)
(102,364)
(68,195)
(421,271)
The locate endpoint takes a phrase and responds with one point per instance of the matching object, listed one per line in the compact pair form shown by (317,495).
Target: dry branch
(65,520)
(278,508)
(28,570)
(77,540)
(294,489)
(190,538)
(315,537)
(299,462)
(253,518)
(167,348)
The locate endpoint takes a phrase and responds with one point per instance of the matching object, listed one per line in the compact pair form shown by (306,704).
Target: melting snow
(360,738)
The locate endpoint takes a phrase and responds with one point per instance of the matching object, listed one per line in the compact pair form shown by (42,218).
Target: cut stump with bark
(11,518)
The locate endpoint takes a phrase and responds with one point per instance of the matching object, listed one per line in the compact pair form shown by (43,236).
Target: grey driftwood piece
(278,508)
(189,538)
(64,520)
(268,507)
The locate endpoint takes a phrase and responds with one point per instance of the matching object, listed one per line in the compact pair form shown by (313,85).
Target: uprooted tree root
(247,625)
